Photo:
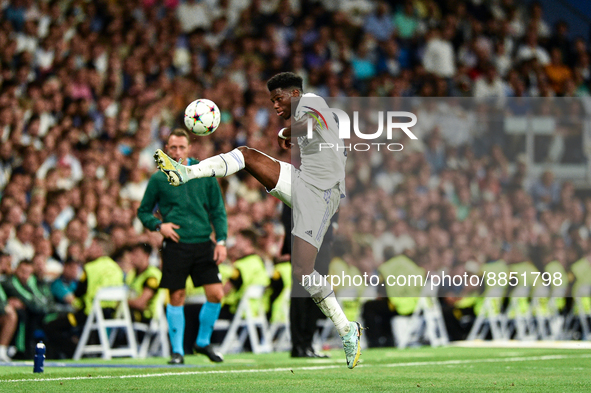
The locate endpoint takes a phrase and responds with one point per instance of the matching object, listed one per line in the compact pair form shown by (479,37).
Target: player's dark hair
(179,132)
(285,80)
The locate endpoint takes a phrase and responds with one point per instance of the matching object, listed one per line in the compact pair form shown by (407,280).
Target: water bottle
(39,357)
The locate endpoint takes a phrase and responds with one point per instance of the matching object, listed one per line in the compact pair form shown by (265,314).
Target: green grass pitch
(448,369)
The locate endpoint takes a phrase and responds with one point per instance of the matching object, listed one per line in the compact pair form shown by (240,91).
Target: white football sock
(222,165)
(325,299)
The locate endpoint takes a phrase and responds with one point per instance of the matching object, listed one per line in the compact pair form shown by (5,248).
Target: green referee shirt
(194,206)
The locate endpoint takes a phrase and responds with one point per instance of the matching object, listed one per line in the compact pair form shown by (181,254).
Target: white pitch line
(173,374)
(308,368)
(493,360)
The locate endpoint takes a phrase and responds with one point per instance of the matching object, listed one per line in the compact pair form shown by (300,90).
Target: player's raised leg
(264,168)
(304,257)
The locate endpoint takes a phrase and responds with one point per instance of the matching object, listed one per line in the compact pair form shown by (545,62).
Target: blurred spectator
(30,304)
(531,49)
(557,72)
(62,159)
(546,191)
(405,21)
(561,41)
(379,23)
(144,283)
(536,20)
(193,14)
(21,247)
(63,287)
(5,265)
(99,271)
(41,281)
(489,85)
(8,323)
(249,269)
(439,55)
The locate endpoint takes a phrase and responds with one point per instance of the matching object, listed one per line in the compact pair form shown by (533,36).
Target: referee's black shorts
(180,260)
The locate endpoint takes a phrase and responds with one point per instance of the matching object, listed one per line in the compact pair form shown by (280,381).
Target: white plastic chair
(490,318)
(583,291)
(520,320)
(425,322)
(549,321)
(244,318)
(155,341)
(97,321)
(279,331)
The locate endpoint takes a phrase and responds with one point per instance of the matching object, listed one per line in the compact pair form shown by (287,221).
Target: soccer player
(187,217)
(317,188)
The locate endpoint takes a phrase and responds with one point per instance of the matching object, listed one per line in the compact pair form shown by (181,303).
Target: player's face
(281,100)
(177,148)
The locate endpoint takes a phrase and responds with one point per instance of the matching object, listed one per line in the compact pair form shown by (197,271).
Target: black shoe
(176,358)
(316,354)
(306,353)
(209,352)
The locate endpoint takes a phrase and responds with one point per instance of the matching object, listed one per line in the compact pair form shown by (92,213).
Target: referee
(188,213)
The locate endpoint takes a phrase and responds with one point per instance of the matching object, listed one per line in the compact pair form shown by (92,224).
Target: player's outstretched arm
(295,129)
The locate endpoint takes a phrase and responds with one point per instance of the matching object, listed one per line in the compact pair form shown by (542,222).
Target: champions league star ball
(202,117)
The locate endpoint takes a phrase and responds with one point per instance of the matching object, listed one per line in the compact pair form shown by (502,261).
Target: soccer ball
(202,117)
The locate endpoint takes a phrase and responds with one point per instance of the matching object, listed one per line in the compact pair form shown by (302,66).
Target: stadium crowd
(90,89)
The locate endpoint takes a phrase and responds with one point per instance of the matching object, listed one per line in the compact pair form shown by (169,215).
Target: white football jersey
(323,168)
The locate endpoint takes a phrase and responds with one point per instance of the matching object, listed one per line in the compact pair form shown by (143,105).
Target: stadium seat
(155,341)
(97,321)
(518,316)
(326,335)
(236,337)
(490,318)
(279,331)
(549,321)
(582,310)
(425,324)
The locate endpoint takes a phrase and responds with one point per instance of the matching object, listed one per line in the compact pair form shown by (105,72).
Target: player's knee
(246,151)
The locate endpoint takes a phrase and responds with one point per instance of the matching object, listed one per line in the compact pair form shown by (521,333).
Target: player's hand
(167,230)
(284,144)
(219,254)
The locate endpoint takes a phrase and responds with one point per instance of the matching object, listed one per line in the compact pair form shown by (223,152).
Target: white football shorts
(312,208)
